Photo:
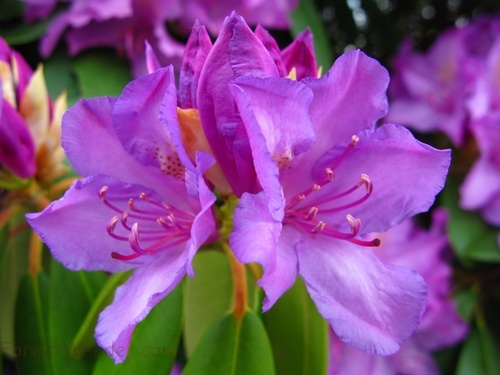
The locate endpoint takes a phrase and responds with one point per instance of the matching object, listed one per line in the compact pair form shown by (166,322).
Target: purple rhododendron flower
(321,169)
(441,326)
(116,23)
(237,52)
(29,121)
(430,90)
(481,188)
(127,24)
(141,205)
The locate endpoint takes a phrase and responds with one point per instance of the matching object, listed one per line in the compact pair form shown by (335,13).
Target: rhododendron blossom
(137,207)
(425,252)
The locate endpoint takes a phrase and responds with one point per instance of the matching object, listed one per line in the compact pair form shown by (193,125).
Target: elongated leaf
(232,347)
(480,354)
(84,338)
(298,334)
(306,15)
(15,265)
(32,350)
(154,343)
(59,76)
(472,239)
(101,73)
(208,295)
(24,33)
(71,296)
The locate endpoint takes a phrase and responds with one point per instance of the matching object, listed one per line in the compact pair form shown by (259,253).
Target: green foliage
(298,334)
(472,239)
(233,347)
(207,297)
(31,347)
(153,347)
(480,354)
(306,16)
(101,73)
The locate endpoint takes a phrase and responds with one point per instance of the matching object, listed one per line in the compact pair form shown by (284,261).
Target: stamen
(312,213)
(110,227)
(354,140)
(102,193)
(354,223)
(132,205)
(124,220)
(176,223)
(366,181)
(329,174)
(373,243)
(319,227)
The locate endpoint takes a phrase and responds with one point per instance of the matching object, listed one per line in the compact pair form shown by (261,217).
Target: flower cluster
(453,88)
(126,24)
(30,124)
(441,326)
(301,155)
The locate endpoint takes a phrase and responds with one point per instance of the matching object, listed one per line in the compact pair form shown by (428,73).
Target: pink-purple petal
(197,49)
(134,300)
(350,98)
(300,55)
(17,149)
(275,112)
(257,237)
(370,306)
(390,157)
(93,147)
(236,52)
(74,227)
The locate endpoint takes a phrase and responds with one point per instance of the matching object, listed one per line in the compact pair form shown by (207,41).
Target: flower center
(304,210)
(147,225)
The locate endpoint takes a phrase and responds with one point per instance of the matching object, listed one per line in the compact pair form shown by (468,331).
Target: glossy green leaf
(71,296)
(84,338)
(466,301)
(154,343)
(60,76)
(101,72)
(208,295)
(480,354)
(32,350)
(298,334)
(15,265)
(306,15)
(232,347)
(472,239)
(24,33)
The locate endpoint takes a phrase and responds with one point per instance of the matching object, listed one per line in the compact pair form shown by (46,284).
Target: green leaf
(232,347)
(154,343)
(71,295)
(101,72)
(24,33)
(60,76)
(15,265)
(84,338)
(306,15)
(480,354)
(208,295)
(32,350)
(472,239)
(466,301)
(298,334)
